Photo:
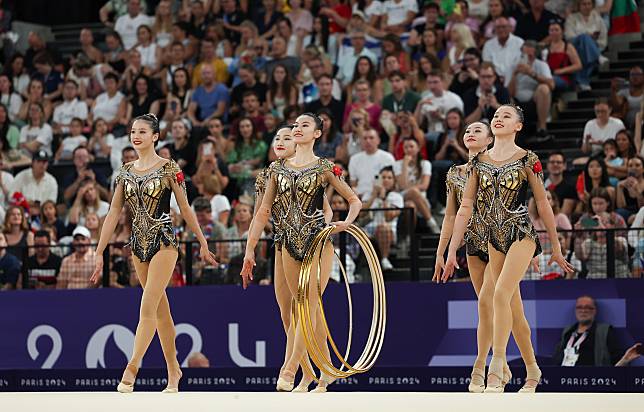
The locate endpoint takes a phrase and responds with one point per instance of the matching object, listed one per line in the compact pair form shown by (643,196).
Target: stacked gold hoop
(378,320)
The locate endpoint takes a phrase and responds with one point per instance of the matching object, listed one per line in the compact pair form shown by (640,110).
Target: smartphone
(376,180)
(207,149)
(173,106)
(589,222)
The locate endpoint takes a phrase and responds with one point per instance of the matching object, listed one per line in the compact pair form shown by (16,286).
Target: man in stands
(77,268)
(248,76)
(482,100)
(209,100)
(437,101)
(565,191)
(364,166)
(531,85)
(591,343)
(534,24)
(70,108)
(326,100)
(43,266)
(83,169)
(128,24)
(503,50)
(35,183)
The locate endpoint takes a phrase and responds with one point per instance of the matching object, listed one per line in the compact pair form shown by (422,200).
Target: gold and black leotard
(297,196)
(502,199)
(148,196)
(476,235)
(260,188)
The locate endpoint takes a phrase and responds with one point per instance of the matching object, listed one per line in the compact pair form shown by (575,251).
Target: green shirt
(407,103)
(13,137)
(256,150)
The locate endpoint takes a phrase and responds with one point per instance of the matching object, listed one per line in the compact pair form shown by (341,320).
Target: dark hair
(485,123)
(603,180)
(433,60)
(43,233)
(8,69)
(127,149)
(371,74)
(183,26)
(438,45)
(319,124)
(201,204)
(151,119)
(112,76)
(36,80)
(558,153)
(175,88)
(283,126)
(323,75)
(631,144)
(419,157)
(285,20)
(461,125)
(239,140)
(78,120)
(77,148)
(4,129)
(334,128)
(285,88)
(42,111)
(599,192)
(248,67)
(43,58)
(324,35)
(491,19)
(116,35)
(431,5)
(517,109)
(289,110)
(611,142)
(396,73)
(134,92)
(473,51)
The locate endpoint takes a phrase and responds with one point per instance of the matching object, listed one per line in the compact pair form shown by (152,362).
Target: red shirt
(345,12)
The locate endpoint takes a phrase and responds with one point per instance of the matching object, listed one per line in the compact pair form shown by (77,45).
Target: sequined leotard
(148,196)
(502,199)
(260,187)
(298,196)
(476,235)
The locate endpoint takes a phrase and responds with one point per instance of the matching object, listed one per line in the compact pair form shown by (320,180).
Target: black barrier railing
(605,253)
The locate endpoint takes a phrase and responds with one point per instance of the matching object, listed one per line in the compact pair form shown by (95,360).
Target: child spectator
(70,143)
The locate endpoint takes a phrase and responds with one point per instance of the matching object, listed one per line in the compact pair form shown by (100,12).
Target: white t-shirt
(107,108)
(69,144)
(64,113)
(503,57)
(394,200)
(127,26)
(609,131)
(526,85)
(480,10)
(376,8)
(103,208)
(447,101)
(44,135)
(7,181)
(364,168)
(218,204)
(148,55)
(425,170)
(397,11)
(116,155)
(13,103)
(43,190)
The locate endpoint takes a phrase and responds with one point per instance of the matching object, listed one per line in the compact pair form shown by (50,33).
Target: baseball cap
(41,155)
(81,230)
(359,13)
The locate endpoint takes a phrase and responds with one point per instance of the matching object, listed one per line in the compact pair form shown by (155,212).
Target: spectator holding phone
(629,194)
(627,96)
(591,343)
(591,247)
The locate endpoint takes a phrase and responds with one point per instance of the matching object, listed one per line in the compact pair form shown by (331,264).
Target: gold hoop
(378,320)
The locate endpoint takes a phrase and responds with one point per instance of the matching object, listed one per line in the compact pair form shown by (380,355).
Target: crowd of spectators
(395,82)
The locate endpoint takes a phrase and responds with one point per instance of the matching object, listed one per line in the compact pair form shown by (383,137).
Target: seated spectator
(116,9)
(461,15)
(435,103)
(9,98)
(615,165)
(406,127)
(106,105)
(9,267)
(248,76)
(134,69)
(49,217)
(281,91)
(210,162)
(400,99)
(51,79)
(77,268)
(178,99)
(6,185)
(120,257)
(294,41)
(175,59)
(429,44)
(325,100)
(211,189)
(86,39)
(398,15)
(37,45)
(625,143)
(352,141)
(503,50)
(43,266)
(35,183)
(115,54)
(533,25)
(556,183)
(35,95)
(216,134)
(591,247)
(531,85)
(587,32)
(554,271)
(209,58)
(383,225)
(365,70)
(247,154)
(315,65)
(630,191)
(365,165)
(83,170)
(141,101)
(10,155)
(148,49)
(562,58)
(17,73)
(561,220)
(36,135)
(280,57)
(87,201)
(128,24)
(301,18)
(347,62)
(496,8)
(391,46)
(600,129)
(93,223)
(467,75)
(70,108)
(88,77)
(363,101)
(242,215)
(595,175)
(431,19)
(101,141)
(589,342)
(460,39)
(448,150)
(184,146)
(17,234)
(325,146)
(209,100)
(627,101)
(69,143)
(413,175)
(485,96)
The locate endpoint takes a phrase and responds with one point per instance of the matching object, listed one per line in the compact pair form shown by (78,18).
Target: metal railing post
(413,253)
(189,263)
(24,269)
(106,267)
(610,257)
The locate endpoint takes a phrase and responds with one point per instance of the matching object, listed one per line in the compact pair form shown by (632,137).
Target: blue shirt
(51,81)
(207,101)
(9,269)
